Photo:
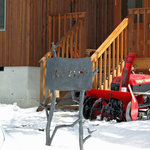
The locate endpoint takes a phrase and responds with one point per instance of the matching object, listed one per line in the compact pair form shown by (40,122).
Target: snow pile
(27,130)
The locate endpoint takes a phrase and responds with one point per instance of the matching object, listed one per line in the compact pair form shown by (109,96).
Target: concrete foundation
(20,85)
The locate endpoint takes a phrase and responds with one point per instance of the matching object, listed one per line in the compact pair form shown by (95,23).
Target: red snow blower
(128,99)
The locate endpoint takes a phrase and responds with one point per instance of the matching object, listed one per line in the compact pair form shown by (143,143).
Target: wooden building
(24,40)
(26,27)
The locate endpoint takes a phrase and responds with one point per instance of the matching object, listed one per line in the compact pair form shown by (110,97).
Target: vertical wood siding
(101,20)
(38,31)
(14,47)
(25,40)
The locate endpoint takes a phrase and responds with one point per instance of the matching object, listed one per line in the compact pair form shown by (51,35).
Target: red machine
(128,99)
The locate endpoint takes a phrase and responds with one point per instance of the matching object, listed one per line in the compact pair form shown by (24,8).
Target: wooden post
(76,42)
(100,72)
(96,76)
(117,56)
(109,66)
(63,48)
(113,66)
(126,47)
(121,51)
(67,48)
(42,82)
(80,40)
(105,71)
(71,45)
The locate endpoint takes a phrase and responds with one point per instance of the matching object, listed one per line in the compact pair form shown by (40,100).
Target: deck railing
(71,45)
(59,24)
(139,31)
(109,57)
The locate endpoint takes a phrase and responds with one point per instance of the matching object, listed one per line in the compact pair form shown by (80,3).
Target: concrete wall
(21,85)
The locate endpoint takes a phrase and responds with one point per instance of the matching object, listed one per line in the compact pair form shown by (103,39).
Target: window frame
(4,27)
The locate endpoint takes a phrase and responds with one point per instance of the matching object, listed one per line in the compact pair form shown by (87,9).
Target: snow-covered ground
(25,128)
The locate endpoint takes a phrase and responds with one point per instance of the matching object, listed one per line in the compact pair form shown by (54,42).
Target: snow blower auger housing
(128,99)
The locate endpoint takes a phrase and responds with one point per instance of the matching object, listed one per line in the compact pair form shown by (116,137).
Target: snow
(25,129)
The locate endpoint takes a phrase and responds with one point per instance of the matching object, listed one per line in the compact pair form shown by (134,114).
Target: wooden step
(142,65)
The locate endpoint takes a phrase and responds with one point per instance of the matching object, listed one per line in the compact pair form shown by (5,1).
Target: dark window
(2,14)
(135,3)
(1,68)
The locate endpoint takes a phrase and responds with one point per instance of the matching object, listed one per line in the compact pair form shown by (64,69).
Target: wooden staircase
(108,58)
(70,43)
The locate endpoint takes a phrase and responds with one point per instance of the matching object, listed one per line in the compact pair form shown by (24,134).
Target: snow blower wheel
(97,109)
(87,105)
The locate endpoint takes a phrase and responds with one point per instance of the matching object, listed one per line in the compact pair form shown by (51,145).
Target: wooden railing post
(80,39)
(117,57)
(71,46)
(100,72)
(42,78)
(105,71)
(121,51)
(109,66)
(114,59)
(96,76)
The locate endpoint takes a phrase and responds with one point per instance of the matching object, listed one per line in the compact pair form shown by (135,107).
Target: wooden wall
(38,31)
(14,47)
(25,40)
(146,3)
(102,16)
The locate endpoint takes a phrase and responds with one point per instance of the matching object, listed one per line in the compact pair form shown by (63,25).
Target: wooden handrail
(108,57)
(109,40)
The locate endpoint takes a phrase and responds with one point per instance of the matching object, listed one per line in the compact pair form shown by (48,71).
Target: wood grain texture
(25,40)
